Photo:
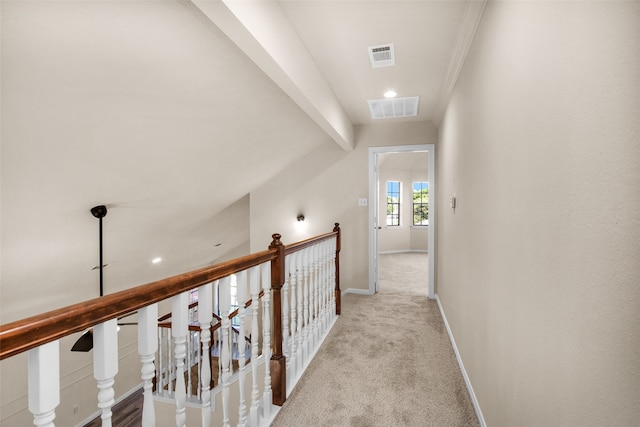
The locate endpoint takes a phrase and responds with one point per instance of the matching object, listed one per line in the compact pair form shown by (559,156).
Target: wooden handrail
(295,247)
(22,335)
(26,334)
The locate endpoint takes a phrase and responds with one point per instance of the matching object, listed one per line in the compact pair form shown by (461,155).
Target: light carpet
(388,361)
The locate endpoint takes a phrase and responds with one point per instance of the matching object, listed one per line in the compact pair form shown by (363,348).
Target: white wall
(538,266)
(326,185)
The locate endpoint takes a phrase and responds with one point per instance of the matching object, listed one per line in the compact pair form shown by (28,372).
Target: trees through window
(420,203)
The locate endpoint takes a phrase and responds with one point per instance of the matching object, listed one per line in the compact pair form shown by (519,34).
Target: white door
(377,225)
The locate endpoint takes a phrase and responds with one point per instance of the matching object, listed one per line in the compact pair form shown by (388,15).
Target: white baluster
(285,317)
(44,382)
(188,364)
(327,279)
(332,267)
(147,347)
(319,290)
(293,279)
(179,330)
(305,337)
(217,333)
(170,364)
(220,344)
(300,344)
(105,365)
(205,316)
(315,293)
(266,325)
(254,279)
(325,289)
(160,376)
(242,298)
(225,348)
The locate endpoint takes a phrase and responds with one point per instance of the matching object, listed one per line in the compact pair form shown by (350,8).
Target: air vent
(392,108)
(382,56)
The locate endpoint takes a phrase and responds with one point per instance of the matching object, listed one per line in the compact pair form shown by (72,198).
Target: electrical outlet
(76,409)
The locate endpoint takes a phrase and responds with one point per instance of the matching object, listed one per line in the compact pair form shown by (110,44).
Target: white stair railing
(256,406)
(308,304)
(147,348)
(241,292)
(265,281)
(179,329)
(293,350)
(105,366)
(229,345)
(267,397)
(43,376)
(205,316)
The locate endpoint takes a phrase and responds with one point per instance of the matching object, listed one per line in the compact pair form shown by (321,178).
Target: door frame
(374,202)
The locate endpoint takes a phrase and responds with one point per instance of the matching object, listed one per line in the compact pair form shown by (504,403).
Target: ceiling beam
(263,32)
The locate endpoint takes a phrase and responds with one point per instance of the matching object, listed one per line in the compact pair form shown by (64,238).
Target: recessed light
(156,260)
(390,94)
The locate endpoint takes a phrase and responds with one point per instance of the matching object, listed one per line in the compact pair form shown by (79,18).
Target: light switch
(362,202)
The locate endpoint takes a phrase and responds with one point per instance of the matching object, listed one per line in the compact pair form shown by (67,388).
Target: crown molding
(470,20)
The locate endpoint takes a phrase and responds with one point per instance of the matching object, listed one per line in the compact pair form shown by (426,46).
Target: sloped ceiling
(145,107)
(170,113)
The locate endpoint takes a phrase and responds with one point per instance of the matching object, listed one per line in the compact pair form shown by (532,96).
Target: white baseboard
(467,381)
(356,291)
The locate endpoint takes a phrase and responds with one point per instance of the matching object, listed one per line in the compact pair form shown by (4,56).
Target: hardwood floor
(127,413)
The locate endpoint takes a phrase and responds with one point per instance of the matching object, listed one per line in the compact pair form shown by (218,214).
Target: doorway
(380,225)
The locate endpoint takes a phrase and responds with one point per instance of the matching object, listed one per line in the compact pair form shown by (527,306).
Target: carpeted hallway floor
(387,362)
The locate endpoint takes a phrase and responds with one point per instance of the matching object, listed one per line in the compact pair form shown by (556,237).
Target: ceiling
(166,111)
(338,33)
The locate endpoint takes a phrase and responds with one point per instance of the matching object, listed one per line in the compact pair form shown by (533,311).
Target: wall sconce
(300,217)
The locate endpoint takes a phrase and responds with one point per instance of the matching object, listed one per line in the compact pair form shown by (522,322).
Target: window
(393,203)
(420,203)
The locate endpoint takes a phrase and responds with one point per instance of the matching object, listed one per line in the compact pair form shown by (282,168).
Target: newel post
(336,229)
(278,361)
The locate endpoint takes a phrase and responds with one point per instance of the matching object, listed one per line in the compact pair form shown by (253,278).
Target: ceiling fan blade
(85,342)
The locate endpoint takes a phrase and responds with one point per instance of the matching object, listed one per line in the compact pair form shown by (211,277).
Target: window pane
(393,202)
(421,203)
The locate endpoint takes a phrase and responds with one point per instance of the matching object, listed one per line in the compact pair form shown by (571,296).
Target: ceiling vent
(392,108)
(382,56)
